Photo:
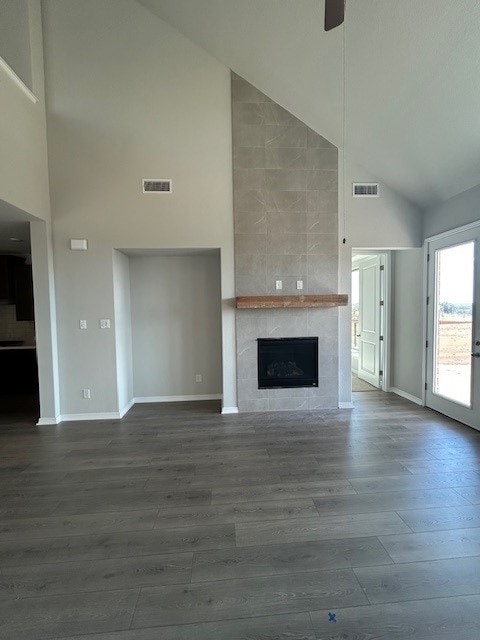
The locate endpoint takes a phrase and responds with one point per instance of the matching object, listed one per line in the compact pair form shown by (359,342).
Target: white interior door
(369,352)
(453,330)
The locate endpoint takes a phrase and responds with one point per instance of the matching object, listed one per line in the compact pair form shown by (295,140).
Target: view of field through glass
(454,322)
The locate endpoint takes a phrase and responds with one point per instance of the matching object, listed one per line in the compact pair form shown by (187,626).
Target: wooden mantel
(292,302)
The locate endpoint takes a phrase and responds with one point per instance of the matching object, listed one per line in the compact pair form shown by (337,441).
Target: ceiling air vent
(366,190)
(152,185)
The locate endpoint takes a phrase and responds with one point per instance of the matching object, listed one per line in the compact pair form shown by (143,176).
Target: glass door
(453,344)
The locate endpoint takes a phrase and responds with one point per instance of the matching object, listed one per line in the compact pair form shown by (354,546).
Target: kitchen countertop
(18,348)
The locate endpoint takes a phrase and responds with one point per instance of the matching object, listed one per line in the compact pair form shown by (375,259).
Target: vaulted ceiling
(412,78)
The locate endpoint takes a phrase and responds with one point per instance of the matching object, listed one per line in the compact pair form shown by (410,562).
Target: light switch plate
(78,245)
(105,323)
(278,285)
(83,324)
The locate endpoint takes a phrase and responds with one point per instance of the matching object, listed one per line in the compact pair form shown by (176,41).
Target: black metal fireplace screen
(287,362)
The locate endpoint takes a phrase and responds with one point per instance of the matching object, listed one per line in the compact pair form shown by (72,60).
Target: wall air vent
(366,190)
(153,185)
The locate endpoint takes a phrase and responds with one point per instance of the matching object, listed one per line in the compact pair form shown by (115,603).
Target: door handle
(475,355)
(358,335)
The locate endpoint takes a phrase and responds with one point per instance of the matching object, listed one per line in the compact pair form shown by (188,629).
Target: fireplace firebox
(285,363)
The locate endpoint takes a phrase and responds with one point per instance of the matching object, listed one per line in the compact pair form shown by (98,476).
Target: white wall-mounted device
(78,245)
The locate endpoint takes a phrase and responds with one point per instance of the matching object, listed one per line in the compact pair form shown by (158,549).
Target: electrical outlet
(299,284)
(83,324)
(86,394)
(278,285)
(198,377)
(105,323)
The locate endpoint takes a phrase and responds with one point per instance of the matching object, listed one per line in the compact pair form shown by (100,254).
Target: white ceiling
(413,92)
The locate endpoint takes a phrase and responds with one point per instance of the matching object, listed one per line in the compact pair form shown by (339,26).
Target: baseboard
(345,405)
(226,410)
(43,422)
(117,415)
(407,396)
(80,417)
(148,399)
(127,407)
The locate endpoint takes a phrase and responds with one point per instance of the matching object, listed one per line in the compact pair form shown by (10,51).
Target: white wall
(128,97)
(456,212)
(411,104)
(123,329)
(390,221)
(387,222)
(176,325)
(23,136)
(15,38)
(407,349)
(279,46)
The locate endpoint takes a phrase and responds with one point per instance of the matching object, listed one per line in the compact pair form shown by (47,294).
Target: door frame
(45,322)
(386,293)
(427,263)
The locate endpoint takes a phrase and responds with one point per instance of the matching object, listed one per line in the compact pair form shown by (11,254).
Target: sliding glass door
(453,334)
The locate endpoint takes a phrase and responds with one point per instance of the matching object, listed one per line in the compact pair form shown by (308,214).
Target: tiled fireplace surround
(286,228)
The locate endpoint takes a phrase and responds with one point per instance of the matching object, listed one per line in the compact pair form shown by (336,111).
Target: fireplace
(285,363)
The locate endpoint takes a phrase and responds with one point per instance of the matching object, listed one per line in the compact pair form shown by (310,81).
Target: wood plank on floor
(248,562)
(289,491)
(394,500)
(16,552)
(322,528)
(296,626)
(432,545)
(232,513)
(50,616)
(420,580)
(249,597)
(436,519)
(52,526)
(121,500)
(416,482)
(101,575)
(440,619)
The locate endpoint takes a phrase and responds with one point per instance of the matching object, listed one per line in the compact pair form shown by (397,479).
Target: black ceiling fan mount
(334,13)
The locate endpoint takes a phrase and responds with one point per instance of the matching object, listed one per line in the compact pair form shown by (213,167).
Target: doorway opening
(369,338)
(453,325)
(19,387)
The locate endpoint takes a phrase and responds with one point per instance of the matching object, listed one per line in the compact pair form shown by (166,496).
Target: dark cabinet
(7,277)
(24,292)
(16,286)
(18,371)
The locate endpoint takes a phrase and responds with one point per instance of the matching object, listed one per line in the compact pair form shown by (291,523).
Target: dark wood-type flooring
(178,523)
